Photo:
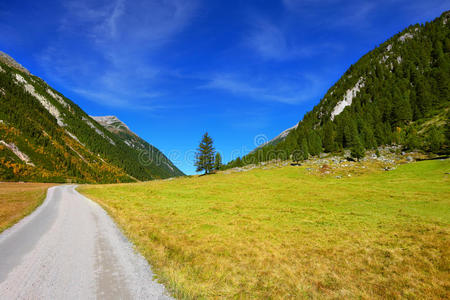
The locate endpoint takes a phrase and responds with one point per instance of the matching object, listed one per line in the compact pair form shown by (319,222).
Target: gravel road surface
(69,248)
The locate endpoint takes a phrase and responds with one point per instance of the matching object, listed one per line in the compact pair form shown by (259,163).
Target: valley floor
(292,233)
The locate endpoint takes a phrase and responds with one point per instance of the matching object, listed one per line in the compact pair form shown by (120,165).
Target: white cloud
(115,100)
(116,41)
(289,91)
(282,41)
(270,41)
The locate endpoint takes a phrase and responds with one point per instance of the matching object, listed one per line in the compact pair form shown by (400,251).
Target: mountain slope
(114,125)
(279,138)
(398,93)
(46,137)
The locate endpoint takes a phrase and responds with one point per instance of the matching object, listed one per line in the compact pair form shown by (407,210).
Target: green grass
(285,233)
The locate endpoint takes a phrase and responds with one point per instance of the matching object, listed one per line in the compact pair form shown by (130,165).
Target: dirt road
(70,248)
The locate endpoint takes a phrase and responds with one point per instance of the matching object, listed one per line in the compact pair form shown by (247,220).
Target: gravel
(70,248)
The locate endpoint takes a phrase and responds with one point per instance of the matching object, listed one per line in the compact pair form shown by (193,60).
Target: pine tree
(412,140)
(218,162)
(402,111)
(297,156)
(205,155)
(368,136)
(435,139)
(328,138)
(315,143)
(357,149)
(304,149)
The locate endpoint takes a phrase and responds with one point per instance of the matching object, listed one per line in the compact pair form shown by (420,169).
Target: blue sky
(173,69)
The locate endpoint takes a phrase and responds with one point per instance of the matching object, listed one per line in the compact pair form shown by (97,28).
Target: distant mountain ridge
(46,137)
(119,128)
(398,93)
(351,93)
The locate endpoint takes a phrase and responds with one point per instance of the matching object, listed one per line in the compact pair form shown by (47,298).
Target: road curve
(69,248)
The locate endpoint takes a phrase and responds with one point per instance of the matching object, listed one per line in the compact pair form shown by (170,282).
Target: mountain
(398,93)
(46,137)
(114,125)
(279,138)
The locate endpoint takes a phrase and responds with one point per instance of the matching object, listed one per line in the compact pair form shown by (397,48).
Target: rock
(389,168)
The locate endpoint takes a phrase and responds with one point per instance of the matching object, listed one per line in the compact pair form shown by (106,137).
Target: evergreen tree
(328,138)
(205,155)
(435,139)
(297,156)
(368,137)
(315,143)
(304,149)
(412,140)
(357,149)
(402,113)
(218,162)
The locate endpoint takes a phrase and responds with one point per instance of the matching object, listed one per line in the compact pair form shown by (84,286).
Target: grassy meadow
(288,233)
(18,200)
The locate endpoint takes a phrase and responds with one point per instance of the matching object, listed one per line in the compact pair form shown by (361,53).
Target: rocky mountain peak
(111,122)
(8,60)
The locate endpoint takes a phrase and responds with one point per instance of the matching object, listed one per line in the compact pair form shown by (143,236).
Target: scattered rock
(389,168)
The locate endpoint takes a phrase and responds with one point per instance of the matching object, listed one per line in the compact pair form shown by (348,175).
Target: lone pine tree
(205,155)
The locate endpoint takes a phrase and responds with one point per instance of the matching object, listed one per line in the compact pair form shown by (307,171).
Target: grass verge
(18,200)
(286,233)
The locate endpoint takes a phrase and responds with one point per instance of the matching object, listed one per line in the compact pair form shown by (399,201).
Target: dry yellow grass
(18,200)
(284,233)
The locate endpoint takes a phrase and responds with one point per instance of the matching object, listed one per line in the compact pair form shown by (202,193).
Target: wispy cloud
(334,13)
(271,41)
(289,91)
(280,40)
(117,40)
(121,101)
